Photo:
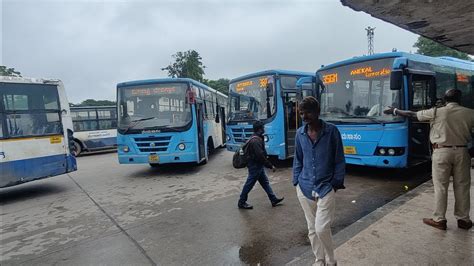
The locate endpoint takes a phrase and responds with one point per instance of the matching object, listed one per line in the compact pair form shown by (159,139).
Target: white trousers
(319,215)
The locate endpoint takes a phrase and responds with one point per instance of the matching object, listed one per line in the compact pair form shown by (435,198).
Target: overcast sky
(93,45)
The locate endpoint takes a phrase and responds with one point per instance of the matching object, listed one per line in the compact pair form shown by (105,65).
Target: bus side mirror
(190,97)
(269,90)
(396,78)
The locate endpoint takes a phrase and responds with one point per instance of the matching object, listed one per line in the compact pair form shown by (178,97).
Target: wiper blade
(170,127)
(136,122)
(143,119)
(364,117)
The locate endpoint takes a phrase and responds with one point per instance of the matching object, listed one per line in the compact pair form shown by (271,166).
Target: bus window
(209,107)
(288,82)
(421,93)
(1,126)
(31,112)
(444,82)
(104,114)
(106,124)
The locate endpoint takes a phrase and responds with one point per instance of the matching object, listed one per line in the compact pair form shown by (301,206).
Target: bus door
(292,121)
(3,156)
(422,96)
(222,118)
(200,130)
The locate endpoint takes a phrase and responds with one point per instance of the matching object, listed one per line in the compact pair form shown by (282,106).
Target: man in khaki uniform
(450,135)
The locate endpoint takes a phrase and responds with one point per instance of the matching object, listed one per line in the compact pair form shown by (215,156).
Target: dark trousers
(256,173)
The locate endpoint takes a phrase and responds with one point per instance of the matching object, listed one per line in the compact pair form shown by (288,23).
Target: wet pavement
(106,213)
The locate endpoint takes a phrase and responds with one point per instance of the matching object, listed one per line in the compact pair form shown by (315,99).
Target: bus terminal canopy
(449,22)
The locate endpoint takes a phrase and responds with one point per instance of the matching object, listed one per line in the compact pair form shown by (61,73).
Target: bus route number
(330,78)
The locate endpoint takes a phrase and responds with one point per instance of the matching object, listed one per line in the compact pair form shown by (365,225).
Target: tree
(6,71)
(187,65)
(92,102)
(221,84)
(428,47)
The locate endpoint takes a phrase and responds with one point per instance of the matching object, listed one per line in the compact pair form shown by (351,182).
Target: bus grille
(153,144)
(241,134)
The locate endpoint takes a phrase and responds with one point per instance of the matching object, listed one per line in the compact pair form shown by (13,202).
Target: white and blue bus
(95,128)
(35,130)
(173,120)
(359,89)
(272,97)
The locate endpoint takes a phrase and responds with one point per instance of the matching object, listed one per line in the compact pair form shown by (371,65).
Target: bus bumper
(378,161)
(232,146)
(71,164)
(278,151)
(181,157)
(22,171)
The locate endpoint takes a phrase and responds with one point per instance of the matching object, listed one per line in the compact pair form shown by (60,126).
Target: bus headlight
(125,148)
(228,138)
(181,146)
(391,152)
(265,138)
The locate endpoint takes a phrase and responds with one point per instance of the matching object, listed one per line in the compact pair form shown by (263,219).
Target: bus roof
(166,80)
(271,72)
(12,79)
(443,60)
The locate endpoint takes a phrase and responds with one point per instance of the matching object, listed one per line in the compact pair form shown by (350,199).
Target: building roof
(448,22)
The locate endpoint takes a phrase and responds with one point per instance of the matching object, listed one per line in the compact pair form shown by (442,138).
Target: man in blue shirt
(318,171)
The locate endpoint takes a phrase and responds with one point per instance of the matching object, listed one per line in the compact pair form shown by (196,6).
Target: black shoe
(465,224)
(277,201)
(245,205)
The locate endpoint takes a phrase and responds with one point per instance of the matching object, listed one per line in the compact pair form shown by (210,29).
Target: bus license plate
(153,158)
(349,150)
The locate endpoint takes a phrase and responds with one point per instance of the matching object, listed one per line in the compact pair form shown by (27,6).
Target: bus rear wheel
(77,148)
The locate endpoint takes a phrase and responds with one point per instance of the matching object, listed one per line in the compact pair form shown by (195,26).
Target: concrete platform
(395,234)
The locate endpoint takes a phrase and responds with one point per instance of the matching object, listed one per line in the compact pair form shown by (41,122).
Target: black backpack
(241,158)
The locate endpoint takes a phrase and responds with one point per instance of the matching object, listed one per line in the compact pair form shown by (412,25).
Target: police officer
(450,135)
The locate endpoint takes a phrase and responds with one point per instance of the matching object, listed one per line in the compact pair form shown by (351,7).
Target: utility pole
(370,39)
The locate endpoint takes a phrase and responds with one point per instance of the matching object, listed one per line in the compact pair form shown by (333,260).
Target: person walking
(257,160)
(450,134)
(318,172)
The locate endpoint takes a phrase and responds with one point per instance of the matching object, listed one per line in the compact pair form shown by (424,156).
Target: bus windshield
(250,99)
(358,93)
(153,107)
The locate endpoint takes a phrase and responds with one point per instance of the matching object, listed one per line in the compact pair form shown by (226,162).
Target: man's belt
(438,146)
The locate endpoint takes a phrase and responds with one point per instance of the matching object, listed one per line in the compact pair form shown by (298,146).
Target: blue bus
(35,130)
(272,97)
(356,91)
(95,128)
(173,120)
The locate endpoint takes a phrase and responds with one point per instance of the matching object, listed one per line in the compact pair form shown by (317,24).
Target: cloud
(93,45)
